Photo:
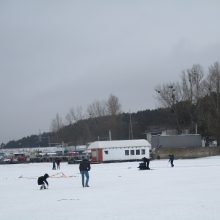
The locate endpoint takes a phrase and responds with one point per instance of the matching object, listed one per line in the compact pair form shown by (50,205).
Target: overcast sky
(56,55)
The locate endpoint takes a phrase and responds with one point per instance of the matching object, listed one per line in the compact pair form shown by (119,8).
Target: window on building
(126,152)
(137,152)
(142,151)
(132,152)
(106,151)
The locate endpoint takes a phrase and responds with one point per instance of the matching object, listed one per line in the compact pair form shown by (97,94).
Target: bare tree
(193,84)
(97,109)
(69,118)
(214,79)
(57,123)
(168,94)
(75,115)
(113,105)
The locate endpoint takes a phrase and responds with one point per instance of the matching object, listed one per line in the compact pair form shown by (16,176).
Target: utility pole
(130,128)
(110,135)
(217,93)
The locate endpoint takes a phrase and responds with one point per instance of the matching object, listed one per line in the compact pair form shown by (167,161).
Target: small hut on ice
(121,150)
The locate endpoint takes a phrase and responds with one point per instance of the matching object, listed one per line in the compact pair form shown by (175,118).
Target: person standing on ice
(42,181)
(58,163)
(54,165)
(84,168)
(146,161)
(171,159)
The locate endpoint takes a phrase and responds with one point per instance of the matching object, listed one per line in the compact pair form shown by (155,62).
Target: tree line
(194,100)
(191,103)
(116,127)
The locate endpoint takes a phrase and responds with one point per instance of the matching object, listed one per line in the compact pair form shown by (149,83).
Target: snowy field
(118,191)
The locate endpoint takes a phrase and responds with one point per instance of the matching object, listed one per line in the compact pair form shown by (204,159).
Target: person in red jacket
(84,168)
(42,181)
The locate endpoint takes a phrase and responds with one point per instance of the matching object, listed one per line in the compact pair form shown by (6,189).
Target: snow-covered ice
(118,191)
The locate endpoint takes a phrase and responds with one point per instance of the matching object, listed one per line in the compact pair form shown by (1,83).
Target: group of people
(84,168)
(56,164)
(146,162)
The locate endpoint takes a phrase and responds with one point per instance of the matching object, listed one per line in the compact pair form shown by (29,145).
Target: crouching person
(145,164)
(42,181)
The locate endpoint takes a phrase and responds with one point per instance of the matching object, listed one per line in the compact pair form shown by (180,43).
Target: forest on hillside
(192,104)
(101,128)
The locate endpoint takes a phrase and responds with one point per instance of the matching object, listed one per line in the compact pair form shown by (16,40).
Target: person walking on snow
(171,159)
(84,168)
(42,181)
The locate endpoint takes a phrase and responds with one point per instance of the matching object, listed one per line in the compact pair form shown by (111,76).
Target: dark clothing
(142,166)
(84,165)
(145,164)
(171,159)
(42,180)
(146,161)
(58,163)
(84,168)
(54,165)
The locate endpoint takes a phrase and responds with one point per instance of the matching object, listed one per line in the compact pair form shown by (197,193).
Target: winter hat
(46,175)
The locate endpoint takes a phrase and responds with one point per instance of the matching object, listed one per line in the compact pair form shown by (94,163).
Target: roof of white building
(119,143)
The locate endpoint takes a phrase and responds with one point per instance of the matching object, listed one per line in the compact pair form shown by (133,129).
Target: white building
(121,150)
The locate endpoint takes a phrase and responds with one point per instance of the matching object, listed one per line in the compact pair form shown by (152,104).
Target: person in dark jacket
(145,164)
(54,165)
(58,163)
(42,181)
(84,168)
(171,159)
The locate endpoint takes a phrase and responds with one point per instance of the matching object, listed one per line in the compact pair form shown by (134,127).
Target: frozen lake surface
(118,191)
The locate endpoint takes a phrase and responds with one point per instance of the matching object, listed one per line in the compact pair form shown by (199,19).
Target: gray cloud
(55,55)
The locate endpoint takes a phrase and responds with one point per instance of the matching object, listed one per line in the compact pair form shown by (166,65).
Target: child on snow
(42,181)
